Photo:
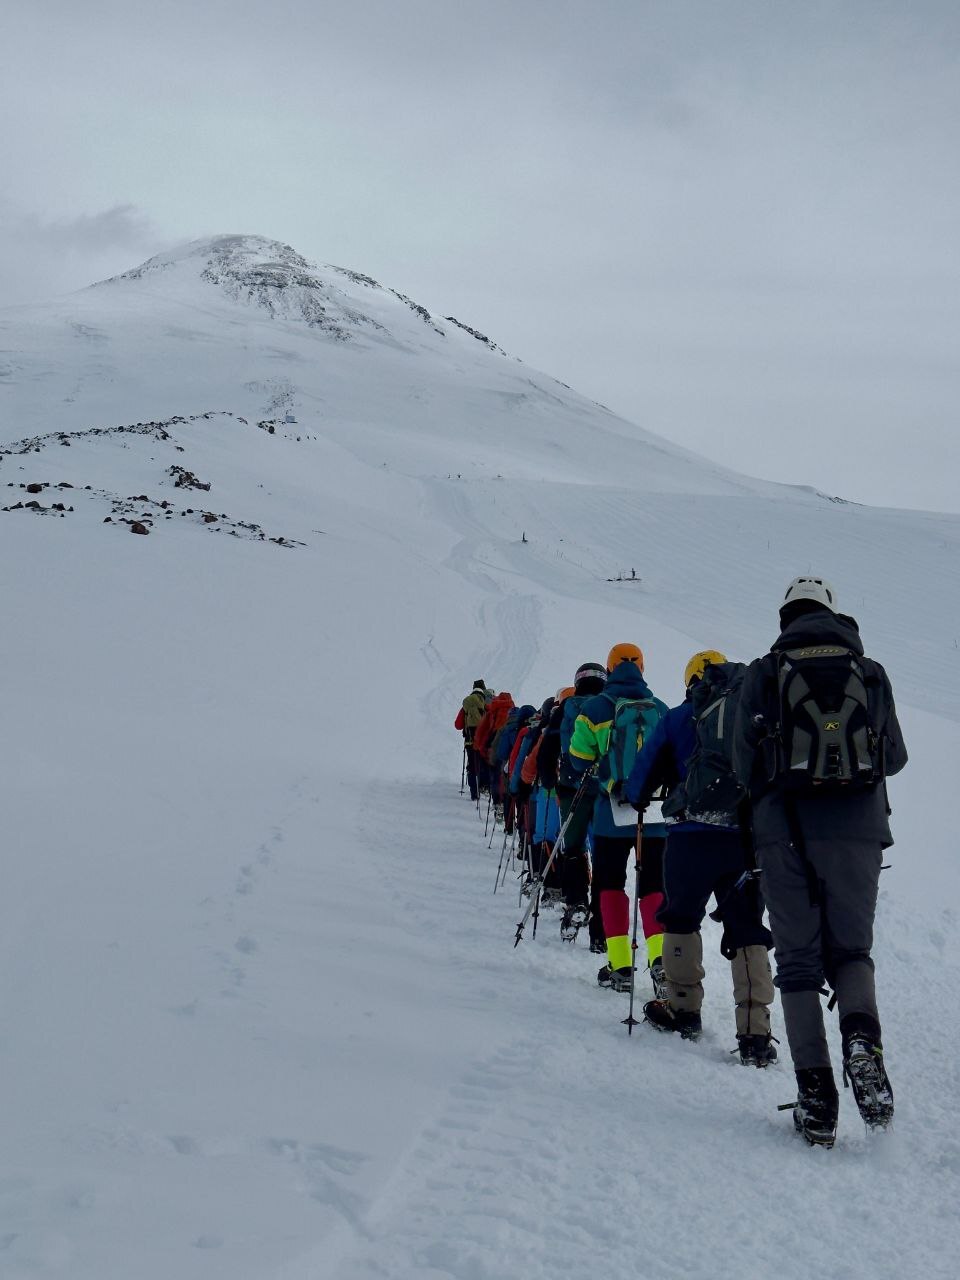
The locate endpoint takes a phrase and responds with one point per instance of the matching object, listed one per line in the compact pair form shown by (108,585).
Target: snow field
(261,1012)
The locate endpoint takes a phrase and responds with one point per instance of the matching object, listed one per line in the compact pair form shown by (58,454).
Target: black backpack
(711,791)
(826,737)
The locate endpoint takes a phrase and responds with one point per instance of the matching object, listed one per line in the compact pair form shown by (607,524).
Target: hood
(502,700)
(626,681)
(820,627)
(526,712)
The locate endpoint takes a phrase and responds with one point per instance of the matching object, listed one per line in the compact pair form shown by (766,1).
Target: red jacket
(528,770)
(494,718)
(516,749)
(459,722)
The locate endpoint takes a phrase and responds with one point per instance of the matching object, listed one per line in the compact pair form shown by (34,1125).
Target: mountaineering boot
(659,1014)
(863,1069)
(658,980)
(574,918)
(756,1051)
(598,946)
(815,1110)
(551,897)
(616,979)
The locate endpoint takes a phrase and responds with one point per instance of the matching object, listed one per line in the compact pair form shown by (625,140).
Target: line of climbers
(774,770)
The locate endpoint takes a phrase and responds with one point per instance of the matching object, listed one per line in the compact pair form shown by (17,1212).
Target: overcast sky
(735,223)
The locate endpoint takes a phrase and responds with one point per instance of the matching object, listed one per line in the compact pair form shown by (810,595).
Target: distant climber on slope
(468,717)
(484,743)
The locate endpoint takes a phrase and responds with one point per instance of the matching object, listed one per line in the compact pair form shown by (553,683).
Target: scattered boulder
(136,526)
(184,479)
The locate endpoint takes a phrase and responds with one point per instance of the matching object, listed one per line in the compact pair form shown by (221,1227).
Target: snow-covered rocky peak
(271,275)
(233,254)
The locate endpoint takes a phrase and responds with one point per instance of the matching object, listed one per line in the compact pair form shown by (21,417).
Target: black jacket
(548,761)
(822,816)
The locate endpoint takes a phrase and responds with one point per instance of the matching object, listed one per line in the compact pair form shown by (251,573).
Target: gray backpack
(826,737)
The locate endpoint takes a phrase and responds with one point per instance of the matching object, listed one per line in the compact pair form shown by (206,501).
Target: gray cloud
(122,226)
(734,223)
(41,256)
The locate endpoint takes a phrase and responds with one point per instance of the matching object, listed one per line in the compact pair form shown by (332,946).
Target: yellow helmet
(698,664)
(624,653)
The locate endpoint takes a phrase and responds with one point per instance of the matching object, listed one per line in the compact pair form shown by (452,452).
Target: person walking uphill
(468,717)
(705,854)
(608,731)
(581,904)
(493,720)
(816,735)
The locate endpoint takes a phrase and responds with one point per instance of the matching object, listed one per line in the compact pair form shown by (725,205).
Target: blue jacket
(662,762)
(591,735)
(517,718)
(525,748)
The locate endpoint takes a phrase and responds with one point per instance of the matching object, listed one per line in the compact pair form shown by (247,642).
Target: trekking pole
(503,850)
(463,768)
(493,830)
(556,849)
(525,854)
(630,1021)
(487,822)
(557,846)
(524,862)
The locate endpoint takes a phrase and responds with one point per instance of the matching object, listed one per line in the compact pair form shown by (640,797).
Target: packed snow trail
(567,1147)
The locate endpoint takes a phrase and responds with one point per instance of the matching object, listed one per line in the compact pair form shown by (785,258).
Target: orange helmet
(624,653)
(564,693)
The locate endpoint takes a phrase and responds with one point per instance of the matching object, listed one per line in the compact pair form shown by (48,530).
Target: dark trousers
(574,869)
(481,770)
(699,863)
(822,905)
(471,756)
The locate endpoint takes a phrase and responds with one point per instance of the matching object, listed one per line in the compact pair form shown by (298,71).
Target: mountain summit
(247,326)
(272,275)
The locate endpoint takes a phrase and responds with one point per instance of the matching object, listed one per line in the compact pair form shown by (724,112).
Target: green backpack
(633,718)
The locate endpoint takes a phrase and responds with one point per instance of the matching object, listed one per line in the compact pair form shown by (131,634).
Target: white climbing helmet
(816,590)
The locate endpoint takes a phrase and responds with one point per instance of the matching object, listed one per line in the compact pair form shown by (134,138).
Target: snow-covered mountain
(261,1011)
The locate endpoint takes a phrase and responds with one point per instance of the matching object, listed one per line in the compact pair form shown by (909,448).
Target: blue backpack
(633,718)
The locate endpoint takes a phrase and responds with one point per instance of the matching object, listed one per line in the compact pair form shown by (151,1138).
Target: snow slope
(262,1016)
